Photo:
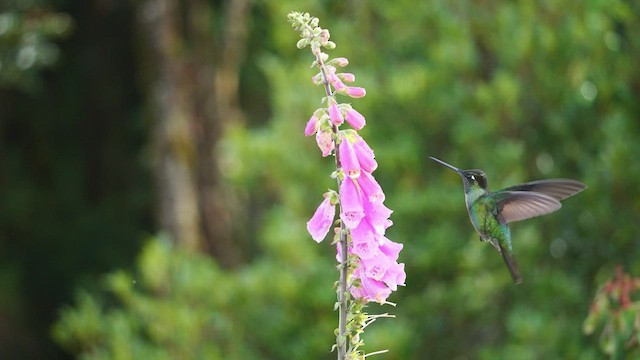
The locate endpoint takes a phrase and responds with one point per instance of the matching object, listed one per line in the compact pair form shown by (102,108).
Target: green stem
(341,338)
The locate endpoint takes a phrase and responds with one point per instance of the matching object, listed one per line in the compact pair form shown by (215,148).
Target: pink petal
(366,250)
(376,267)
(374,290)
(362,233)
(394,276)
(377,214)
(365,155)
(321,221)
(370,187)
(348,159)
(390,249)
(350,204)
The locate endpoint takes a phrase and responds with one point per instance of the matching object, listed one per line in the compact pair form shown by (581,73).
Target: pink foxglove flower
(355,119)
(325,141)
(378,215)
(356,92)
(369,268)
(334,114)
(362,233)
(375,267)
(321,221)
(394,276)
(370,187)
(348,158)
(390,249)
(351,203)
(312,126)
(370,289)
(365,155)
(364,242)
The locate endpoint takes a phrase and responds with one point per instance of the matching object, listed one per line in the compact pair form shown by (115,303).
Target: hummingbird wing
(519,205)
(558,189)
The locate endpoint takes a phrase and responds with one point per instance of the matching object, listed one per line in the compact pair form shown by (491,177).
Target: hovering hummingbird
(490,212)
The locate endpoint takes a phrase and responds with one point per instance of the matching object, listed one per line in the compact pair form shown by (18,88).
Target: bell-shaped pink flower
(365,155)
(366,250)
(350,204)
(312,126)
(321,221)
(356,92)
(376,267)
(364,232)
(377,214)
(370,187)
(394,276)
(325,142)
(355,119)
(389,248)
(348,159)
(334,114)
(374,290)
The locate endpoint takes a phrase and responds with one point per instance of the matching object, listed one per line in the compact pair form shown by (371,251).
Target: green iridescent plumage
(490,212)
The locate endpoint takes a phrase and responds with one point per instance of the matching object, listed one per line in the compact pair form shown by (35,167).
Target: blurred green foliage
(181,305)
(522,90)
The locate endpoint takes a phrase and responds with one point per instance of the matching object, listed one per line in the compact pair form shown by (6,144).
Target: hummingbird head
(471,178)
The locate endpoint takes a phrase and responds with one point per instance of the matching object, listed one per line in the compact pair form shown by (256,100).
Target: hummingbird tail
(511,265)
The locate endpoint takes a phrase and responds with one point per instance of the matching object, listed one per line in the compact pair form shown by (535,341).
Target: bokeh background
(155,181)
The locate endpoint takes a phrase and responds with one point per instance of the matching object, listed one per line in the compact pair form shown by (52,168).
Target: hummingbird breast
(483,214)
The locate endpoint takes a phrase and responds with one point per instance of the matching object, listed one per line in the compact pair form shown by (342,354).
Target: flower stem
(341,337)
(342,297)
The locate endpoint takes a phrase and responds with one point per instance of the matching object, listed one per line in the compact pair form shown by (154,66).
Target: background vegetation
(155,181)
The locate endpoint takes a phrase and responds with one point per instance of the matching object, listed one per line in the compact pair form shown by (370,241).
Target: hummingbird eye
(473,177)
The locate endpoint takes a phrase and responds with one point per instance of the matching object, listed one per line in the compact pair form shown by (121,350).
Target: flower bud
(347,77)
(341,61)
(355,119)
(356,92)
(302,43)
(312,126)
(334,114)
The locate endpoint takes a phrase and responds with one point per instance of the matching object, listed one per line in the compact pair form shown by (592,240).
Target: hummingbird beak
(447,165)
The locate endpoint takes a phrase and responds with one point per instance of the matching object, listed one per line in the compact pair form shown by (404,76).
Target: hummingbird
(491,212)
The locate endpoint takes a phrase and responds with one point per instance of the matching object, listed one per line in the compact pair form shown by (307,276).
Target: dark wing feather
(520,205)
(558,189)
